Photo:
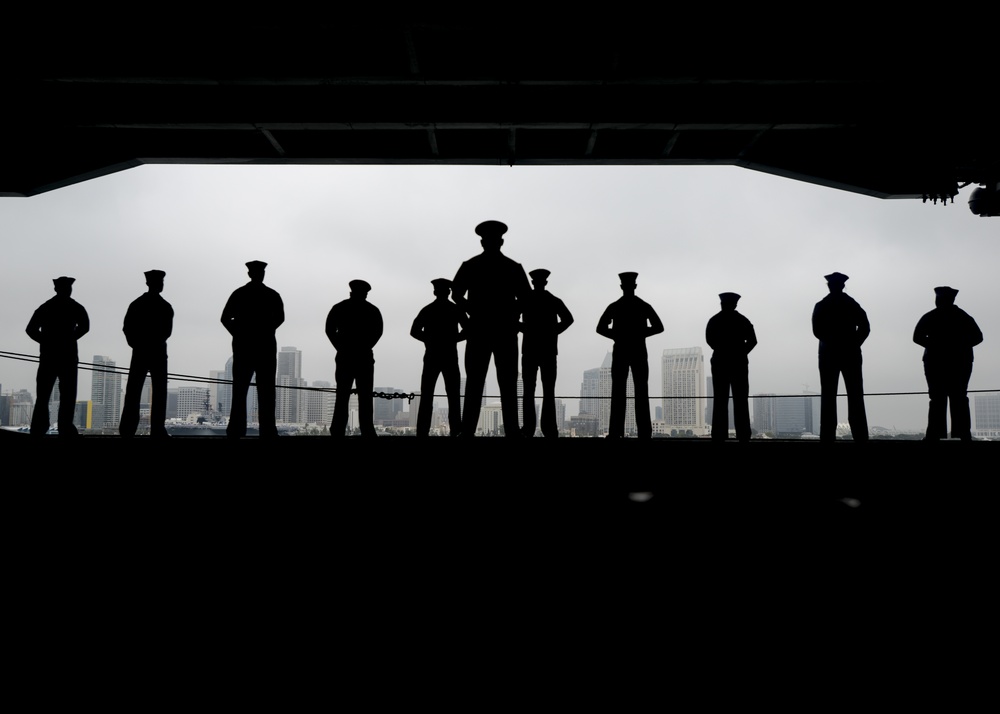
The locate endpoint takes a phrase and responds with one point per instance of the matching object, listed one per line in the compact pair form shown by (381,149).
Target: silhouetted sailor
(439,326)
(731,337)
(148,324)
(629,321)
(56,326)
(948,334)
(841,327)
(252,315)
(354,326)
(491,289)
(543,319)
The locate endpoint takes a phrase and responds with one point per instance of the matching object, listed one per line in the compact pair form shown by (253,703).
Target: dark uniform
(353,327)
(496,287)
(948,335)
(56,326)
(841,326)
(252,315)
(731,337)
(543,319)
(629,321)
(149,322)
(439,326)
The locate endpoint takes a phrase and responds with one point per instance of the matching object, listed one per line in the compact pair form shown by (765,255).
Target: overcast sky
(690,233)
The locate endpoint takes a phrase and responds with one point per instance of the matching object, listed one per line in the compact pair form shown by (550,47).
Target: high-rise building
(683,387)
(289,397)
(987,409)
(589,403)
(319,404)
(387,410)
(795,416)
(105,394)
(192,400)
(763,414)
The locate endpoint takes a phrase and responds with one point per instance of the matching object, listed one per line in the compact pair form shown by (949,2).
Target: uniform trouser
(531,365)
(49,369)
(729,375)
(831,366)
(444,365)
(356,371)
(140,365)
(258,366)
(478,350)
(948,384)
(622,360)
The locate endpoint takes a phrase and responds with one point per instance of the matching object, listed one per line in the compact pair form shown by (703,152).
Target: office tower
(987,408)
(589,403)
(795,416)
(83,415)
(763,414)
(289,400)
(171,402)
(490,421)
(193,400)
(684,390)
(319,404)
(105,393)
(21,405)
(387,410)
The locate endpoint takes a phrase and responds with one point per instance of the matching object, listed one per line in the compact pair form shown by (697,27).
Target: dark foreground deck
(498,561)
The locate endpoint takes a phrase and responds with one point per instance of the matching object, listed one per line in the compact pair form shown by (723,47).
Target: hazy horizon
(690,233)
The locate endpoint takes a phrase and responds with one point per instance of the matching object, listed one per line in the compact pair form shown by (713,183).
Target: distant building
(290,407)
(83,415)
(105,394)
(386,411)
(987,411)
(683,387)
(192,400)
(795,416)
(20,407)
(319,404)
(763,414)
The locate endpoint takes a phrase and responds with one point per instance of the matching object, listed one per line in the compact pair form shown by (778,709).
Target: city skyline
(690,232)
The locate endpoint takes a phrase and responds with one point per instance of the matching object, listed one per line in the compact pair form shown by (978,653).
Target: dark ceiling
(845,110)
